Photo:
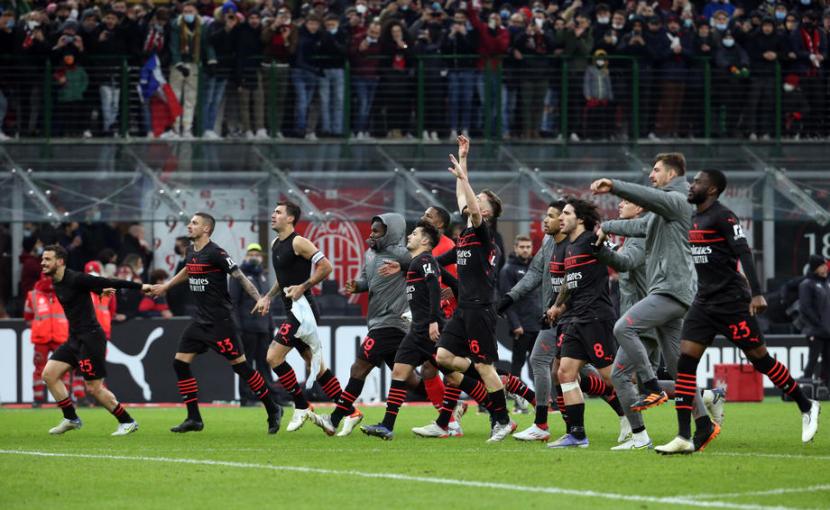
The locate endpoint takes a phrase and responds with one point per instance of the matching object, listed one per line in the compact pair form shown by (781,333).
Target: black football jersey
(477,259)
(423,290)
(586,279)
(207,271)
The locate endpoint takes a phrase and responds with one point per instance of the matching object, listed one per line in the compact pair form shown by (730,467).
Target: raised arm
(463,191)
(98,283)
(631,256)
(628,228)
(671,205)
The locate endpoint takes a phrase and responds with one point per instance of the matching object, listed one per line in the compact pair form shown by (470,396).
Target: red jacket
(490,46)
(45,313)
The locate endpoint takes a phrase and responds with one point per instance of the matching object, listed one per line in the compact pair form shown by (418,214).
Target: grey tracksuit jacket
(669,266)
(387,294)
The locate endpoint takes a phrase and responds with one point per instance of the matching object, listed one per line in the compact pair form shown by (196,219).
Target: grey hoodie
(669,266)
(387,294)
(538,272)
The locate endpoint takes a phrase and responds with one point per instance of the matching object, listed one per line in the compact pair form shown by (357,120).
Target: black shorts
(285,335)
(732,321)
(590,341)
(416,349)
(380,346)
(87,352)
(219,336)
(560,337)
(471,333)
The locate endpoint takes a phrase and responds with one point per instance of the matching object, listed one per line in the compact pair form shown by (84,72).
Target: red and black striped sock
(188,389)
(394,401)
(515,386)
(345,402)
(541,420)
(780,377)
(560,404)
(477,391)
(451,396)
(593,385)
(257,384)
(68,409)
(330,385)
(685,389)
(121,414)
(288,380)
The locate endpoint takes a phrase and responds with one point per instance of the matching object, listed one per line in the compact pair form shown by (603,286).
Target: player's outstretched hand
(758,305)
(463,146)
(456,169)
(294,292)
(110,291)
(350,287)
(434,334)
(262,306)
(156,290)
(602,186)
(389,268)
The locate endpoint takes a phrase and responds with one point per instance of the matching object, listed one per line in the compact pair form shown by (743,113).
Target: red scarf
(812,45)
(154,41)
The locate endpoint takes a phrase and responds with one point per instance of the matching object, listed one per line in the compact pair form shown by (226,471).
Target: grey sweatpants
(626,387)
(541,359)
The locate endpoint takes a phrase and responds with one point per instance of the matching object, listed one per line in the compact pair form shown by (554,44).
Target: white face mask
(603,20)
(361,8)
(600,63)
(728,43)
(371,40)
(788,87)
(618,26)
(539,22)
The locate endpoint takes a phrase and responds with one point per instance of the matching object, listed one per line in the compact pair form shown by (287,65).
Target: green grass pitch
(758,462)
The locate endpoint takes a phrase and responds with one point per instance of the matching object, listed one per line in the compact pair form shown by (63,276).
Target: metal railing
(430,96)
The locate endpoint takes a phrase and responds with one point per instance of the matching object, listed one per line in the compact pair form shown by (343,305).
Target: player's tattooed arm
(264,303)
(559,306)
(246,284)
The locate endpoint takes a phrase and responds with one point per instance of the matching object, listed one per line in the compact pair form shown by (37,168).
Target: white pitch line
(409,478)
(770,455)
(770,492)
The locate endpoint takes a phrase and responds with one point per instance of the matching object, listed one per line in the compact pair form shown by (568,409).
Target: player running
(726,303)
(293,258)
(423,292)
(469,341)
(206,270)
(86,347)
(585,301)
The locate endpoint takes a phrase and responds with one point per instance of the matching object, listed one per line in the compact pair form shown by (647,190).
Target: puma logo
(135,363)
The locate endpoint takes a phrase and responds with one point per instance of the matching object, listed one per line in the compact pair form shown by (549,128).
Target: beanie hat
(816,261)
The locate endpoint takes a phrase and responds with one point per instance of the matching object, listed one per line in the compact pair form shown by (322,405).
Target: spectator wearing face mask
(494,40)
(249,76)
(461,39)
(633,45)
(333,53)
(597,114)
(34,49)
(188,43)
(364,55)
(766,50)
(218,64)
(109,47)
(577,44)
(71,80)
(718,5)
(674,54)
(159,110)
(794,107)
(602,23)
(397,78)
(731,80)
(280,39)
(809,43)
(428,33)
(719,24)
(306,73)
(530,49)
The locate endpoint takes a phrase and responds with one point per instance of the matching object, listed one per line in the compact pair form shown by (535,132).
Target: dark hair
(291,209)
(106,255)
(207,217)
(444,215)
(675,160)
(158,275)
(29,243)
(60,251)
(183,239)
(430,231)
(585,211)
(558,204)
(495,202)
(522,237)
(717,178)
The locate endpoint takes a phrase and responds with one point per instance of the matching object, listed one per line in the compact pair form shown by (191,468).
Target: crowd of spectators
(256,69)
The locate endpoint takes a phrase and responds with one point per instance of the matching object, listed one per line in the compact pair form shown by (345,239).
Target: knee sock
(121,414)
(394,401)
(68,409)
(684,393)
(257,384)
(451,396)
(515,385)
(188,389)
(560,404)
(345,402)
(780,377)
(593,385)
(288,380)
(477,391)
(435,390)
(499,406)
(541,420)
(330,385)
